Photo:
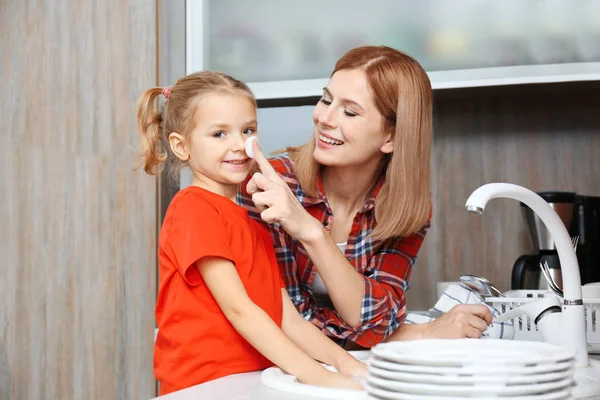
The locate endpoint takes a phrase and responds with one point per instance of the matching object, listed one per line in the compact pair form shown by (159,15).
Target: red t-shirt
(196,343)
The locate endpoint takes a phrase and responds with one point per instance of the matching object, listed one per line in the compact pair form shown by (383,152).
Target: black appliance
(581,216)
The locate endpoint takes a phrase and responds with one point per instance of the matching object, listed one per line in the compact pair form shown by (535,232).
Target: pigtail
(149,124)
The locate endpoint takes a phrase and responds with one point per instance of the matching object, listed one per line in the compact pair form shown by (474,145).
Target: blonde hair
(155,125)
(402,93)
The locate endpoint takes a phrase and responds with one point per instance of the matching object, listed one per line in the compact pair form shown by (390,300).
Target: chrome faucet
(572,321)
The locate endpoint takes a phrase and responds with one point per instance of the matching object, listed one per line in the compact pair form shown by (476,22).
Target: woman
(360,185)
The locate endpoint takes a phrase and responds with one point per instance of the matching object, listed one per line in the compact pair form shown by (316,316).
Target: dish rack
(525,328)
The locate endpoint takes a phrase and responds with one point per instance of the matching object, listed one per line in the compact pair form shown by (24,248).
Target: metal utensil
(575,241)
(548,276)
(481,285)
(546,272)
(486,289)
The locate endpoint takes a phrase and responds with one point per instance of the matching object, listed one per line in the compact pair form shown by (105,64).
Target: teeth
(330,141)
(237,162)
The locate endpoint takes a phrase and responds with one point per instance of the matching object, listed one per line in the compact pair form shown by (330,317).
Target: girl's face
(222,123)
(349,130)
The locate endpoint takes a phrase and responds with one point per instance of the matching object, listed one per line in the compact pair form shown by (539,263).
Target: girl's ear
(177,144)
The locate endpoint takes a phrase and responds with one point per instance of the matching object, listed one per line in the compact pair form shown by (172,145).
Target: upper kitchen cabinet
(287,49)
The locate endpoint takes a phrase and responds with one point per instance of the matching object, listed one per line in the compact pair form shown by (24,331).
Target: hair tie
(166,92)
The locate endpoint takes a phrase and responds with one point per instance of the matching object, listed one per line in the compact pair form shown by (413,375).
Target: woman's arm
(365,317)
(368,308)
(381,307)
(310,339)
(385,277)
(259,329)
(275,202)
(345,286)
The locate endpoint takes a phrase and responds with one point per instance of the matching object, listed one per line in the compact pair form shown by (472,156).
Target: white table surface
(245,386)
(239,387)
(242,387)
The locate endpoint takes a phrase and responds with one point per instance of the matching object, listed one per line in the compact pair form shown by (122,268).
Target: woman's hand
(463,320)
(277,203)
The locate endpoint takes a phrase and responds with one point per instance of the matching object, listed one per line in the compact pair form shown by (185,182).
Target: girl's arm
(314,342)
(260,330)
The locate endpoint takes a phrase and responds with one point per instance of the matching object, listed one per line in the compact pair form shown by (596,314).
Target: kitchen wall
(544,137)
(78,230)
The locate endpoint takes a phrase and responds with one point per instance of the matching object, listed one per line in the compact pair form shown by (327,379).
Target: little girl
(222,307)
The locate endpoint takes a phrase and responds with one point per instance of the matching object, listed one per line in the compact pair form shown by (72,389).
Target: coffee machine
(581,216)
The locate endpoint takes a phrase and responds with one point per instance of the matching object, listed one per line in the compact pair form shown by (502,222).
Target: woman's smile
(326,141)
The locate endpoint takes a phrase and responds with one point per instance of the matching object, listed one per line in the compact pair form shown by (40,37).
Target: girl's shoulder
(192,195)
(194,200)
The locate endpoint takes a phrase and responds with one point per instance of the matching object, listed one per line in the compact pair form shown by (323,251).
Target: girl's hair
(155,125)
(402,93)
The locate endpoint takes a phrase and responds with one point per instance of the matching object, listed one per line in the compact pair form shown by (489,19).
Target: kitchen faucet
(573,314)
(571,320)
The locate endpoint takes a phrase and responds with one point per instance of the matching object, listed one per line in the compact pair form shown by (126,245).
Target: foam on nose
(249,149)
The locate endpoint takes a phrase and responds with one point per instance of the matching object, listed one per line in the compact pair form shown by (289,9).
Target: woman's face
(349,130)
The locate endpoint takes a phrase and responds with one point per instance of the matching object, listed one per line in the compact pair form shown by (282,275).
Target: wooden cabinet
(78,223)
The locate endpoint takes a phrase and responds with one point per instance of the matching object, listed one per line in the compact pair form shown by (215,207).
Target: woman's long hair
(402,93)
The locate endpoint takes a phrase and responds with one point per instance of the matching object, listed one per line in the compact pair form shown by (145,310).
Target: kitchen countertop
(245,386)
(242,387)
(239,387)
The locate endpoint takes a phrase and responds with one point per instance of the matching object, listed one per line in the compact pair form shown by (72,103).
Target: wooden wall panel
(543,137)
(78,224)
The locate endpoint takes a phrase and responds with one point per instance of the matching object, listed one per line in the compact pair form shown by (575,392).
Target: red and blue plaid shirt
(385,266)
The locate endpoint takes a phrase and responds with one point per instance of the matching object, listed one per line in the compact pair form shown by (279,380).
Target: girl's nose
(239,142)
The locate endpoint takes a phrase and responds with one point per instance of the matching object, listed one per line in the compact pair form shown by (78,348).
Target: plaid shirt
(384,266)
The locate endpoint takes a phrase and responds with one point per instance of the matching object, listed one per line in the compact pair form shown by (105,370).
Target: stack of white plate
(470,368)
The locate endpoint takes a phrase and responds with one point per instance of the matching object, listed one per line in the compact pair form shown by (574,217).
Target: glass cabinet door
(289,48)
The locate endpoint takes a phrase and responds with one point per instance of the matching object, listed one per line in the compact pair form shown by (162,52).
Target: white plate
(387,395)
(479,390)
(275,378)
(361,355)
(461,352)
(507,378)
(471,370)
